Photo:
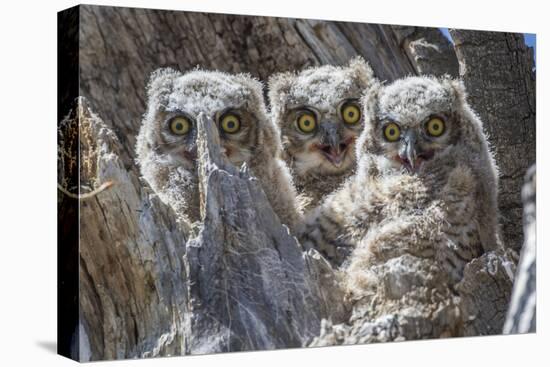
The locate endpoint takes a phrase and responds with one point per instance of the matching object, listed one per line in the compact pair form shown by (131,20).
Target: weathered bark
(132,277)
(428,50)
(337,42)
(485,292)
(522,314)
(248,279)
(412,300)
(498,71)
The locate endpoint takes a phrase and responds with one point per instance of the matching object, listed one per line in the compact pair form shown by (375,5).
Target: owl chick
(166,144)
(426,182)
(320,118)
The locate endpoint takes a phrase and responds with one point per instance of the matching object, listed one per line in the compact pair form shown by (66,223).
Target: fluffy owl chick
(426,183)
(167,149)
(320,118)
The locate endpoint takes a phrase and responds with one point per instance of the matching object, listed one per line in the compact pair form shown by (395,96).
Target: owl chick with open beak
(320,118)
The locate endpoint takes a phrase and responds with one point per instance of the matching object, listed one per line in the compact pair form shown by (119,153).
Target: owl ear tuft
(279,86)
(160,81)
(361,71)
(370,99)
(456,88)
(459,89)
(256,85)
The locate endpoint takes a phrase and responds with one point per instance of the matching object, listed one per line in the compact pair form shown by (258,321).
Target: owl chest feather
(434,218)
(313,188)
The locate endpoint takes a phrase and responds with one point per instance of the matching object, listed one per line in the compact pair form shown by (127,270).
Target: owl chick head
(234,102)
(166,144)
(319,115)
(417,123)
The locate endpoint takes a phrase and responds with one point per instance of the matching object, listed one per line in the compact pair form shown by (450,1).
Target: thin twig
(87,195)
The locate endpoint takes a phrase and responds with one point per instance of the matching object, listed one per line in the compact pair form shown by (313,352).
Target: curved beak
(331,145)
(408,151)
(329,135)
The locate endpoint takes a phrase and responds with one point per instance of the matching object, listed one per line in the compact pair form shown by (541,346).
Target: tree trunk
(249,284)
(428,50)
(498,71)
(242,283)
(522,314)
(132,293)
(411,300)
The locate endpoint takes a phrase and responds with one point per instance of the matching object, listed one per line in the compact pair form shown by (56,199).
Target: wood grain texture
(249,287)
(522,313)
(498,71)
(411,299)
(428,50)
(133,292)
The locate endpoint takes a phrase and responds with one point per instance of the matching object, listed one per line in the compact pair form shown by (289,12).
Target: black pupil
(436,126)
(351,113)
(231,124)
(307,122)
(392,131)
(179,126)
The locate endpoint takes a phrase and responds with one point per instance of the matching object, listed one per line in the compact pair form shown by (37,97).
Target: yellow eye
(307,122)
(435,127)
(351,114)
(180,125)
(230,123)
(392,132)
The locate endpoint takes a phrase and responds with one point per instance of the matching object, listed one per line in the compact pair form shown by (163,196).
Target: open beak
(332,146)
(335,154)
(409,153)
